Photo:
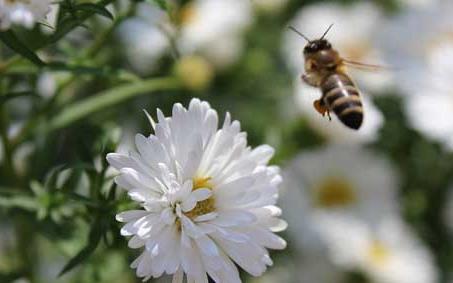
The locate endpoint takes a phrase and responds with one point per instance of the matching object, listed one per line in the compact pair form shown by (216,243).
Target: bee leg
(310,80)
(322,108)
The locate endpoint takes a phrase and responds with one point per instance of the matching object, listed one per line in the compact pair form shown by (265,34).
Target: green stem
(60,34)
(7,151)
(4,66)
(108,98)
(94,103)
(105,35)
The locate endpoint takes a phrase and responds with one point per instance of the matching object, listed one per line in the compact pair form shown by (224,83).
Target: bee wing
(365,67)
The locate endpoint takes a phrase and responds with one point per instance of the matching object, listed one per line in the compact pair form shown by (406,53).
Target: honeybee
(326,69)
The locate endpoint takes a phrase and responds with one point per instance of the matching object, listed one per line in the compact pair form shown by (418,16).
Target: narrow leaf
(68,24)
(6,97)
(10,39)
(96,232)
(51,178)
(78,258)
(95,8)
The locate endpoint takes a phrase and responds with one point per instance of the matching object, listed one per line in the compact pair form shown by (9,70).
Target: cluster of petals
(207,199)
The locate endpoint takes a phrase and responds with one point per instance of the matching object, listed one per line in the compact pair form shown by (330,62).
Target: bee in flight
(326,69)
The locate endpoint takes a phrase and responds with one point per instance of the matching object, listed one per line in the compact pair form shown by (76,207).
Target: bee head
(317,45)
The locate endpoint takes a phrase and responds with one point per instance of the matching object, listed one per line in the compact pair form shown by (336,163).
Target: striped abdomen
(342,97)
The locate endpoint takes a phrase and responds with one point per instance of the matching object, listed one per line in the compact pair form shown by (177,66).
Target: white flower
(51,19)
(317,268)
(426,62)
(386,251)
(355,28)
(303,268)
(214,29)
(22,12)
(143,39)
(46,84)
(334,131)
(337,180)
(208,200)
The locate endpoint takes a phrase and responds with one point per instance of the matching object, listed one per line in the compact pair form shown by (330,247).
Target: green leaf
(10,39)
(4,98)
(81,199)
(108,98)
(69,23)
(96,9)
(37,188)
(64,27)
(79,70)
(95,236)
(51,179)
(19,201)
(50,182)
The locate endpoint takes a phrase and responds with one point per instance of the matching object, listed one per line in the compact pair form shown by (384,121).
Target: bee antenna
(299,33)
(325,33)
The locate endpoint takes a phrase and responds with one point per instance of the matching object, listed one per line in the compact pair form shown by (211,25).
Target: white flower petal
(136,242)
(262,154)
(206,217)
(234,218)
(189,204)
(130,215)
(119,161)
(201,194)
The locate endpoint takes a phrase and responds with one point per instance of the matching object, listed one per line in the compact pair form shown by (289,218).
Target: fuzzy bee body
(341,96)
(325,69)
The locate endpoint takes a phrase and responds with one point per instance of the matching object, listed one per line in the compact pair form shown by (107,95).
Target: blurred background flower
(385,251)
(424,62)
(337,180)
(143,39)
(214,29)
(20,12)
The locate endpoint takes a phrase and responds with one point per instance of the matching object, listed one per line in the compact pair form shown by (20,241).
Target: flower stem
(4,66)
(94,49)
(8,160)
(108,98)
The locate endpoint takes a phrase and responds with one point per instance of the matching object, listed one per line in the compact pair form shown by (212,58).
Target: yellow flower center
(200,182)
(187,14)
(202,207)
(378,253)
(194,72)
(334,192)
